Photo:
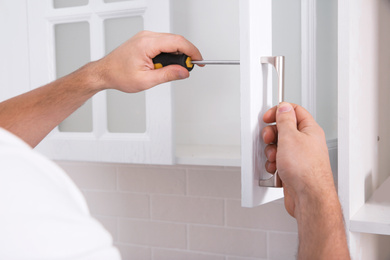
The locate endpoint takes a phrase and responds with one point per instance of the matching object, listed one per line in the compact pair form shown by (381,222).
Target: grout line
(225,212)
(117,229)
(187,182)
(150,207)
(268,245)
(152,256)
(162,194)
(176,250)
(196,224)
(188,236)
(116,179)
(205,253)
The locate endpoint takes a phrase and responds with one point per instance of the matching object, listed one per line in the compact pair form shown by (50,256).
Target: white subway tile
(94,176)
(235,242)
(110,224)
(214,183)
(118,204)
(129,252)
(164,254)
(270,216)
(243,258)
(188,209)
(159,234)
(283,246)
(152,180)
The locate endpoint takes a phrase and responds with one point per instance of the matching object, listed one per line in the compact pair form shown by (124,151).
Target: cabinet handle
(278,63)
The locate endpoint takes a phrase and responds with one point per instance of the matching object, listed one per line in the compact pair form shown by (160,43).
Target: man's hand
(297,149)
(130,68)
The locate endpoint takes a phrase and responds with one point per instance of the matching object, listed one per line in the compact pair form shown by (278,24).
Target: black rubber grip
(165,59)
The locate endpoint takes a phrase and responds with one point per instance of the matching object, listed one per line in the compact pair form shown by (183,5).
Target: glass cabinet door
(112,126)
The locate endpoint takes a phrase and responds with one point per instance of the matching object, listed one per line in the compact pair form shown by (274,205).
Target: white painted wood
(362,117)
(308,59)
(14,64)
(374,216)
(156,145)
(256,98)
(213,155)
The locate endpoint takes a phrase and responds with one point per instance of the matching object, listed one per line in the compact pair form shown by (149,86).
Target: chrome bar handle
(278,63)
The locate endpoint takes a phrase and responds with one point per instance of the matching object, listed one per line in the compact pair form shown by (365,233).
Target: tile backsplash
(182,212)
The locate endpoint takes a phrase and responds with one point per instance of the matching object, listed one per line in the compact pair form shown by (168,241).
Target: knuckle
(320,131)
(179,38)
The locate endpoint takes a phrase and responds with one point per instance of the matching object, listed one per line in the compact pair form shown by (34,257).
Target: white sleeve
(43,215)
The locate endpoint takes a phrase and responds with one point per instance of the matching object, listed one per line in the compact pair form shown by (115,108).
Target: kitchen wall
(182,212)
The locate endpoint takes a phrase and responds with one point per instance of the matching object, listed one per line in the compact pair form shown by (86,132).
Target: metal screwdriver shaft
(216,62)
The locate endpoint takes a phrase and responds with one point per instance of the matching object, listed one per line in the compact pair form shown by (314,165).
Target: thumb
(168,73)
(286,120)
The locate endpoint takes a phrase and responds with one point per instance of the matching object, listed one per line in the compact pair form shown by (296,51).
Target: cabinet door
(113,126)
(265,25)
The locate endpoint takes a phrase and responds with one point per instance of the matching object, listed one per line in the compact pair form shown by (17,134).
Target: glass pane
(126,113)
(327,66)
(286,39)
(72,44)
(69,3)
(113,1)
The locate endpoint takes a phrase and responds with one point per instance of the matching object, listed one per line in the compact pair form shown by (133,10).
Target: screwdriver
(165,59)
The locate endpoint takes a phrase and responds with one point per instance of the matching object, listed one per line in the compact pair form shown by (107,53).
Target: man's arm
(129,68)
(297,148)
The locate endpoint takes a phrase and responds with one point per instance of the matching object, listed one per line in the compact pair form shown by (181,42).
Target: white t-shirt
(42,213)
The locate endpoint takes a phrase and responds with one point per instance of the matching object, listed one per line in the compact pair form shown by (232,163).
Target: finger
(304,119)
(269,134)
(166,74)
(297,118)
(286,120)
(270,167)
(270,152)
(270,116)
(172,43)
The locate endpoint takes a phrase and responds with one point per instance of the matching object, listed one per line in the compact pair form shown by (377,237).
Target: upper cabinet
(112,126)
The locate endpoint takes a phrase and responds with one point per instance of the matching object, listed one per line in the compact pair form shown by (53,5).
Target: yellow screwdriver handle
(165,59)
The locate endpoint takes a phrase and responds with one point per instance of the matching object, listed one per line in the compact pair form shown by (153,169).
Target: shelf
(208,155)
(374,216)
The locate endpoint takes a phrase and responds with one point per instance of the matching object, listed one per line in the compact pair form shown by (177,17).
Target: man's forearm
(321,229)
(32,115)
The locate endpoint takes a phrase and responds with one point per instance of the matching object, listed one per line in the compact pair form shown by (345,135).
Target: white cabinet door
(258,38)
(256,98)
(64,35)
